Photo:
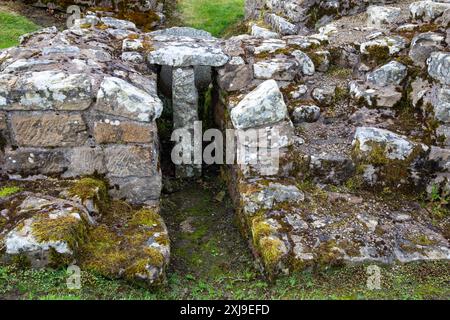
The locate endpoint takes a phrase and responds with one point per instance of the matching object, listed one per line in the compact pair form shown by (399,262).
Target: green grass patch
(413,281)
(215,16)
(12,26)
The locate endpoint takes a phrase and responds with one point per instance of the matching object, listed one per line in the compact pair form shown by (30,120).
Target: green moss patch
(8,191)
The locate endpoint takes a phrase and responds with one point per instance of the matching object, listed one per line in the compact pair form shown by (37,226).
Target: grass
(215,16)
(12,26)
(410,282)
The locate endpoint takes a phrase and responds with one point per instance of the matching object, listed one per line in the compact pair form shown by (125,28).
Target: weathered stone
(185,97)
(423,45)
(235,75)
(379,16)
(392,73)
(184,52)
(307,113)
(277,69)
(441,104)
(381,97)
(324,95)
(118,24)
(26,65)
(279,24)
(270,46)
(65,50)
(306,64)
(27,162)
(323,60)
(133,57)
(182,32)
(439,159)
(299,92)
(277,136)
(136,190)
(131,161)
(120,98)
(395,44)
(41,244)
(83,161)
(132,45)
(263,33)
(394,146)
(420,92)
(48,130)
(46,90)
(271,195)
(262,106)
(115,131)
(427,10)
(443,134)
(439,67)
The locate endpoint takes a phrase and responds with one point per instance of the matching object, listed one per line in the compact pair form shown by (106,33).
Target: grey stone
(280,24)
(183,52)
(396,147)
(380,16)
(306,64)
(392,73)
(263,33)
(46,90)
(441,104)
(29,161)
(423,45)
(131,161)
(83,161)
(182,32)
(22,239)
(185,97)
(307,113)
(120,98)
(49,130)
(439,67)
(277,69)
(262,106)
(118,24)
(136,190)
(394,43)
(427,10)
(235,76)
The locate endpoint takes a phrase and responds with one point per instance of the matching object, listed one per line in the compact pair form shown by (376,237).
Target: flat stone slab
(185,51)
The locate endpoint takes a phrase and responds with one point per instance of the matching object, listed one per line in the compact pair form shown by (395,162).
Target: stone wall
(70,107)
(292,16)
(360,107)
(138,5)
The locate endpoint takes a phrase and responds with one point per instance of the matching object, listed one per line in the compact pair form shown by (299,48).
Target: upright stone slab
(185,112)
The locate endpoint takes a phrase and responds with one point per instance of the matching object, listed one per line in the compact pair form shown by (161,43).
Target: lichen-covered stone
(379,16)
(53,233)
(392,73)
(439,67)
(262,106)
(120,98)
